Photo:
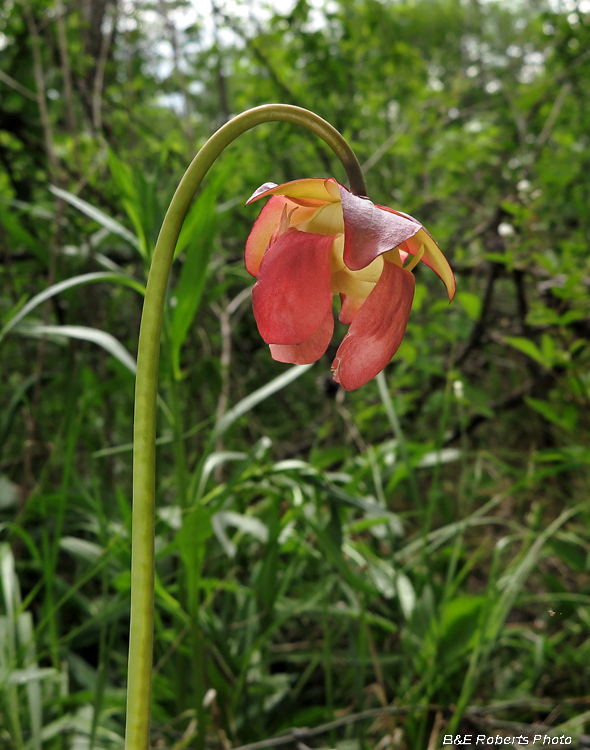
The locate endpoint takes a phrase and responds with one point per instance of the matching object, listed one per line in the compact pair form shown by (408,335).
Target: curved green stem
(142,550)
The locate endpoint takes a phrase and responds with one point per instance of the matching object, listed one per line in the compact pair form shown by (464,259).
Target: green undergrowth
(373,569)
(318,592)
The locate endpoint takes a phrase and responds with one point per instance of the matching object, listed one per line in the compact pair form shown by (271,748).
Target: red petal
(308,351)
(377,329)
(268,220)
(292,295)
(369,231)
(350,307)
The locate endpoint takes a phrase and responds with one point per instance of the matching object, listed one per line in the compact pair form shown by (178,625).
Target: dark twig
(475,714)
(286,94)
(480,325)
(298,735)
(508,402)
(521,300)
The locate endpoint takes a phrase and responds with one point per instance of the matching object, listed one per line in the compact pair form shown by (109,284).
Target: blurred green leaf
(471,303)
(528,347)
(193,275)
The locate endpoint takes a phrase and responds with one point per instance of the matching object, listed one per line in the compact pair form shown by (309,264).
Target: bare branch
(9,81)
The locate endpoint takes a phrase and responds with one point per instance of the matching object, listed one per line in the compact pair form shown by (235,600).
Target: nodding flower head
(314,239)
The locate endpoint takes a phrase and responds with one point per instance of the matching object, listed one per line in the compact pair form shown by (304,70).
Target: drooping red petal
(369,231)
(267,222)
(308,351)
(377,329)
(292,295)
(433,256)
(350,307)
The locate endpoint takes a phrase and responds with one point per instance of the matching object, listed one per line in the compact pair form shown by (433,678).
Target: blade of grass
(97,215)
(46,294)
(493,621)
(108,342)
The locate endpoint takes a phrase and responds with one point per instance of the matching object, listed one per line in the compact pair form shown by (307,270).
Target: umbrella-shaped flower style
(314,239)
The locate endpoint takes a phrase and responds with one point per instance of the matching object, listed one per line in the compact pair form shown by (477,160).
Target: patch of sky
(563,6)
(533,65)
(157,28)
(173,101)
(478,51)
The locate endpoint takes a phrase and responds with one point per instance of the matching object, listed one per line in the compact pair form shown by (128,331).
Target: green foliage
(419,548)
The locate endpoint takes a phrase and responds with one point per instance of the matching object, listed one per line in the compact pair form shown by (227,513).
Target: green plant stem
(146,385)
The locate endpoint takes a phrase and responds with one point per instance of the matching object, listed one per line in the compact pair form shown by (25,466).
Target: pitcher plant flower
(314,239)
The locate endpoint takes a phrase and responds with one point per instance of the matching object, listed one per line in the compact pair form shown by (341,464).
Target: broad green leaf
(567,419)
(196,529)
(458,625)
(548,349)
(193,276)
(471,303)
(526,346)
(130,199)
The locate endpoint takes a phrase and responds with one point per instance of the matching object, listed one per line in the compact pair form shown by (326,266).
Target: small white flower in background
(523,186)
(505,229)
(458,389)
(209,697)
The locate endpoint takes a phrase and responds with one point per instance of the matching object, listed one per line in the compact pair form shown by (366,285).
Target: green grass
(315,592)
(334,570)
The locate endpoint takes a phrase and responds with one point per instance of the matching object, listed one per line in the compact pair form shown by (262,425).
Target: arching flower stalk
(314,238)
